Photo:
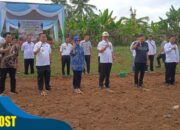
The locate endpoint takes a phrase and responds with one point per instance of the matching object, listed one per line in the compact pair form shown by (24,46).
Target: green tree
(82,7)
(133,26)
(67,7)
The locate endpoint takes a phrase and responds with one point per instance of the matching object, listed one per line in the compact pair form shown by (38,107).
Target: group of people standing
(76,55)
(143,50)
(9,51)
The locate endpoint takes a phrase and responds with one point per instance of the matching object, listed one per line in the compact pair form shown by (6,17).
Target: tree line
(82,17)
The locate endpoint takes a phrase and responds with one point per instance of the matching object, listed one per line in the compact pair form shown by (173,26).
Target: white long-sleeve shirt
(152,47)
(171,54)
(43,57)
(2,40)
(133,50)
(65,49)
(28,49)
(106,56)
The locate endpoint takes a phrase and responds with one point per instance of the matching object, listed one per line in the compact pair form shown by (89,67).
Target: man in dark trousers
(141,48)
(151,52)
(86,45)
(27,48)
(161,54)
(9,51)
(42,50)
(172,59)
(65,50)
(105,49)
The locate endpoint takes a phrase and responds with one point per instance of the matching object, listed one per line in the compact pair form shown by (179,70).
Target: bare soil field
(128,108)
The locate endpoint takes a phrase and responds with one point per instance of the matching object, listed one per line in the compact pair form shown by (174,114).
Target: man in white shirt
(161,54)
(172,59)
(152,51)
(105,49)
(42,50)
(86,44)
(133,54)
(65,50)
(2,40)
(28,49)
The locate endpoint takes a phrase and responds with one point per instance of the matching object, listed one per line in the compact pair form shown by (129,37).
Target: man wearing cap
(105,49)
(151,52)
(172,59)
(141,48)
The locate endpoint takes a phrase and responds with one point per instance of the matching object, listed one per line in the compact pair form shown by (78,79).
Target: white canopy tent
(50,14)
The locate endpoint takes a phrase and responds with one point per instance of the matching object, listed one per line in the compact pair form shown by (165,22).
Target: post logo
(7,121)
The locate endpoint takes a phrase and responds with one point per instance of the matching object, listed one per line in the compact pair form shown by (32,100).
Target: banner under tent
(50,15)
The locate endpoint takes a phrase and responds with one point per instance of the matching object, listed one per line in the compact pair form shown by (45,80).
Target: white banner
(33,27)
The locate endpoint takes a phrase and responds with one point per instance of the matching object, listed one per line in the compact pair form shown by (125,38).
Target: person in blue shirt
(77,64)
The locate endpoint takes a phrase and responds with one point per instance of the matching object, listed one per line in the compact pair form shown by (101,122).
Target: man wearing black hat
(141,48)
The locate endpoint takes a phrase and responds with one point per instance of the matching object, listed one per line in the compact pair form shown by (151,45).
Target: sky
(152,8)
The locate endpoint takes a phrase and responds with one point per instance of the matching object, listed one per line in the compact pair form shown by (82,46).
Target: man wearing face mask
(172,59)
(105,49)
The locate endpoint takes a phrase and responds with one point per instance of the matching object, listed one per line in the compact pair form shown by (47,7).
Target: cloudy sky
(151,8)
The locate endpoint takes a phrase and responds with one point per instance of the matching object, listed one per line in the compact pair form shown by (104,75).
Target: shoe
(49,88)
(172,84)
(76,91)
(100,87)
(109,90)
(79,91)
(48,91)
(43,93)
(141,85)
(136,85)
(167,84)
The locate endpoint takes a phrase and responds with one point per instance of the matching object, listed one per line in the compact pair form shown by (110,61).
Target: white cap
(105,34)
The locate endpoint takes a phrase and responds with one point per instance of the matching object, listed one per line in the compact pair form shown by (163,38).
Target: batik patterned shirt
(9,59)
